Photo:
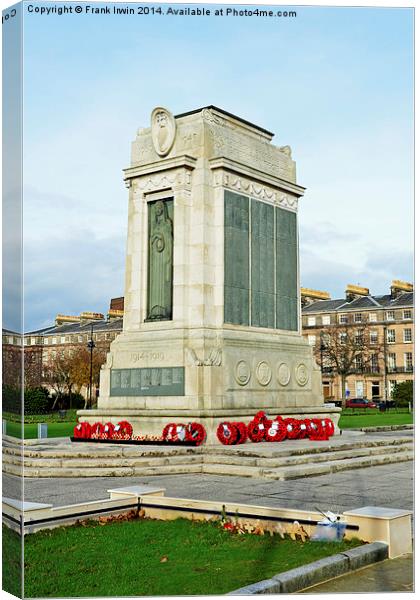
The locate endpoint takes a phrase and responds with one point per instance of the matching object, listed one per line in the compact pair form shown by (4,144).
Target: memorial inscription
(156,381)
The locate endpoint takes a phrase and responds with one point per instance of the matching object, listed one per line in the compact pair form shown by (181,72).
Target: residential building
(389,320)
(64,336)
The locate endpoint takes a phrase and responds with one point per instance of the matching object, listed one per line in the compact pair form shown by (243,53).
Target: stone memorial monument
(211,319)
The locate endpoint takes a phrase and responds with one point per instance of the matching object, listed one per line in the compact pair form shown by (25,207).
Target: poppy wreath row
(232,433)
(179,432)
(261,428)
(104,431)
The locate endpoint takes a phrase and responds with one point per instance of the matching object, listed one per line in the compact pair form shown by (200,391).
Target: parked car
(360,403)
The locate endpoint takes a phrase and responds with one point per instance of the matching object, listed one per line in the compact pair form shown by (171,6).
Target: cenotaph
(212,303)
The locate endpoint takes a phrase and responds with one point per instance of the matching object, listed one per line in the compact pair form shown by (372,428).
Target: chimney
(355,291)
(400,287)
(91,316)
(117,303)
(60,319)
(115,314)
(308,296)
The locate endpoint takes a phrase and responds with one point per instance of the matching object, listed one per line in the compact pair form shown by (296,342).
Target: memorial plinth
(211,318)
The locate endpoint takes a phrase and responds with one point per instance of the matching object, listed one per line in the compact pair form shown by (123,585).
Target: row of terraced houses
(389,318)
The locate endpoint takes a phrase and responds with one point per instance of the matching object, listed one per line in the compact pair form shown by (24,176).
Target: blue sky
(336,84)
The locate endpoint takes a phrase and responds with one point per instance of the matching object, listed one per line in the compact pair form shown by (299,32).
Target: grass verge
(12,562)
(149,558)
(375,419)
(31,430)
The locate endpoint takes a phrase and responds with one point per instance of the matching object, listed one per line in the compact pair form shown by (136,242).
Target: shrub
(403,393)
(66,401)
(11,399)
(37,401)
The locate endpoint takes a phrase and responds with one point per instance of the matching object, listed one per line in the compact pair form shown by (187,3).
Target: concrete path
(387,576)
(385,485)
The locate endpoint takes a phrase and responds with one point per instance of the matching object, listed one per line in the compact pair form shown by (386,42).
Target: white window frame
(410,314)
(312,340)
(390,315)
(373,337)
(356,317)
(392,360)
(408,333)
(373,317)
(388,336)
(311,321)
(326,319)
(408,362)
(343,319)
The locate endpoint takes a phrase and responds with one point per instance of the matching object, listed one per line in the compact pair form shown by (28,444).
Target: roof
(228,114)
(341,304)
(84,327)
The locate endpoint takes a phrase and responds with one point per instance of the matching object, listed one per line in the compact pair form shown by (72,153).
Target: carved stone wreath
(263,372)
(283,374)
(242,372)
(301,374)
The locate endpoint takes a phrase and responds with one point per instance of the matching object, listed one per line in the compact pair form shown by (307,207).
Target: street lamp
(90,346)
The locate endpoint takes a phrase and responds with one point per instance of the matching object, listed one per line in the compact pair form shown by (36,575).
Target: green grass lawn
(31,430)
(12,562)
(125,559)
(373,418)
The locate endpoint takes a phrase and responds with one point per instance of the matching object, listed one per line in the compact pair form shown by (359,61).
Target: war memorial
(211,321)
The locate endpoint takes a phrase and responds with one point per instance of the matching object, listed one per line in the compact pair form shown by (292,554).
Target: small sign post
(42,430)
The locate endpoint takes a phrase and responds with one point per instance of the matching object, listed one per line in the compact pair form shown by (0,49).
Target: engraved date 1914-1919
(136,356)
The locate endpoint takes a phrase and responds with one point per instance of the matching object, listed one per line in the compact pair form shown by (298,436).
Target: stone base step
(288,460)
(309,469)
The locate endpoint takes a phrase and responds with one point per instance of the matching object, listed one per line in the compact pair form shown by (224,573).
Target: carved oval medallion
(283,374)
(301,374)
(263,372)
(163,130)
(242,372)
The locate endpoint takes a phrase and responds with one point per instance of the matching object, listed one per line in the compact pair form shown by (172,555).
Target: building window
(342,337)
(390,336)
(358,361)
(63,339)
(408,362)
(343,319)
(373,335)
(357,317)
(391,385)
(373,317)
(358,338)
(54,340)
(408,335)
(33,341)
(374,362)
(326,319)
(311,321)
(80,338)
(390,315)
(312,340)
(392,362)
(407,314)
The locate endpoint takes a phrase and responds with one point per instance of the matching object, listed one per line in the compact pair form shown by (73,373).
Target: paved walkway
(387,576)
(385,485)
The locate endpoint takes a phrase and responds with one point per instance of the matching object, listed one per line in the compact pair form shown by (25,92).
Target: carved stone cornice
(165,164)
(254,189)
(248,176)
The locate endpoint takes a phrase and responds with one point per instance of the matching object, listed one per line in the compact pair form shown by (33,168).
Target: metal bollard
(42,430)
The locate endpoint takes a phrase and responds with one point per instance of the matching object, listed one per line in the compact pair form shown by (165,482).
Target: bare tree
(57,374)
(346,348)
